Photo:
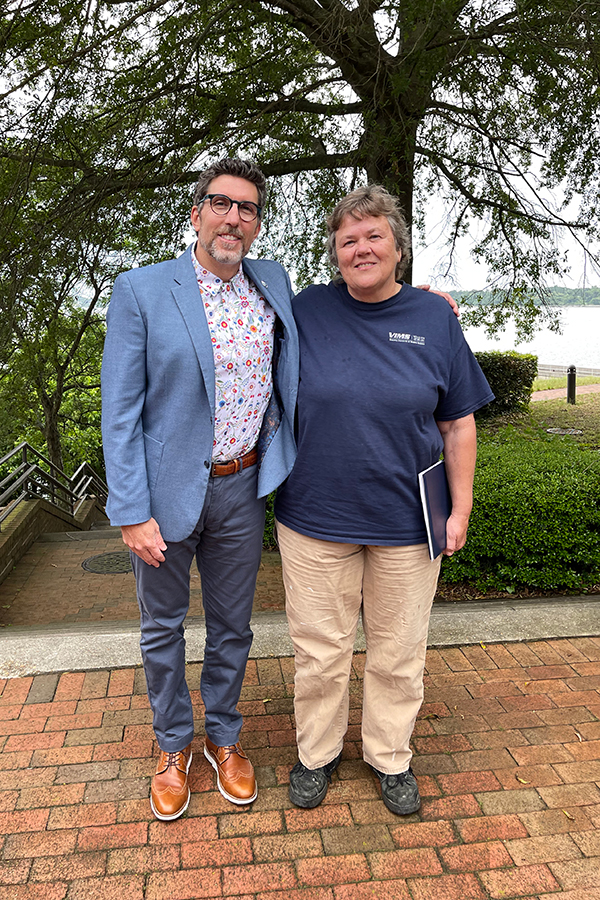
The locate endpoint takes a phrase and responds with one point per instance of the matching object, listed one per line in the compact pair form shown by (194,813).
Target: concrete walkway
(56,616)
(507,755)
(58,648)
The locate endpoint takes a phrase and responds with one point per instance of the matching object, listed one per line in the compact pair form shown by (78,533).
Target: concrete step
(95,534)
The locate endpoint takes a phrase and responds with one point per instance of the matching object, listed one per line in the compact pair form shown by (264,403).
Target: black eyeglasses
(221,204)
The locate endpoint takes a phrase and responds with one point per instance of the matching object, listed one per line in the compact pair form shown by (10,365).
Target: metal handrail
(12,474)
(39,483)
(54,487)
(23,449)
(6,511)
(28,480)
(86,478)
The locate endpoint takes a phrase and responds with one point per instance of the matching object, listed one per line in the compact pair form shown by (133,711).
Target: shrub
(510,376)
(269,542)
(536,517)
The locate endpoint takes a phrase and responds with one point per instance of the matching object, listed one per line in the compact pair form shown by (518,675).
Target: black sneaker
(309,786)
(400,793)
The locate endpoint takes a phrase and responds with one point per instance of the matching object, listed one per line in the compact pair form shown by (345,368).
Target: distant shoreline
(460,297)
(555,298)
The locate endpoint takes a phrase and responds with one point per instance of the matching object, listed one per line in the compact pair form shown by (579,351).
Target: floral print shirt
(241,325)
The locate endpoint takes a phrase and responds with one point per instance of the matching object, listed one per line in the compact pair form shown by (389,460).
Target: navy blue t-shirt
(374,379)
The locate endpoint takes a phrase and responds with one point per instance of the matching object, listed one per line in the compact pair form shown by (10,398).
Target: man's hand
(447,297)
(145,540)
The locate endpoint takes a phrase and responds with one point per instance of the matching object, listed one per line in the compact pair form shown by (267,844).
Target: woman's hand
(456,534)
(460,451)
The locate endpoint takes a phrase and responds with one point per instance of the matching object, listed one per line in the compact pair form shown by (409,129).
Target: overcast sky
(431,260)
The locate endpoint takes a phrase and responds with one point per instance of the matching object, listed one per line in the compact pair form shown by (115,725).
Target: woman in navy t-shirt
(387,382)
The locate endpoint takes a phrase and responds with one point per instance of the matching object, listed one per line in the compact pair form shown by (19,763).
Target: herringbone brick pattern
(507,754)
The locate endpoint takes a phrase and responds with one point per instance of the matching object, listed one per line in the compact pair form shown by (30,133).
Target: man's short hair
(371,200)
(239,168)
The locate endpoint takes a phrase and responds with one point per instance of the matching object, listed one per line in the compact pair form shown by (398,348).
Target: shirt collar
(210,283)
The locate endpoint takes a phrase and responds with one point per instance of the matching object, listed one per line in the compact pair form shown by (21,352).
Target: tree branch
(485,32)
(309,163)
(285,104)
(487,202)
(80,54)
(439,107)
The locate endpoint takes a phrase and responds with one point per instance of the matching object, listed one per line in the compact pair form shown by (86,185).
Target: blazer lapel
(187,297)
(269,292)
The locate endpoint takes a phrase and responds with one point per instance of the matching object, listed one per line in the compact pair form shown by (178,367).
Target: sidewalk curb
(55,648)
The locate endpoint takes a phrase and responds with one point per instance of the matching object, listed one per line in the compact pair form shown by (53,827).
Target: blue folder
(437,505)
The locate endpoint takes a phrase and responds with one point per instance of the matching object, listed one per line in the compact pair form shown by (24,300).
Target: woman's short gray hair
(371,200)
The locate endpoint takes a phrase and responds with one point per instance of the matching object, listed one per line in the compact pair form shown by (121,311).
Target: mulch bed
(463,591)
(270,594)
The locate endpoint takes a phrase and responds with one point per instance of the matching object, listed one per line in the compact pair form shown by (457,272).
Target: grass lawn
(549,384)
(584,415)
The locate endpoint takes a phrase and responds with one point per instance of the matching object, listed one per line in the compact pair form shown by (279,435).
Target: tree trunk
(51,406)
(393,167)
(53,442)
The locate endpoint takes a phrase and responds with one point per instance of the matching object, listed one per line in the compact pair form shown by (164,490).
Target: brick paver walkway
(507,757)
(555,393)
(49,586)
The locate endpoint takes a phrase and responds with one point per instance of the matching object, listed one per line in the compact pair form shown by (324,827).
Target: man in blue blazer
(199,382)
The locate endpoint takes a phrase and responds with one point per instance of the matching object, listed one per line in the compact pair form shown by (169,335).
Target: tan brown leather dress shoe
(235,775)
(170,794)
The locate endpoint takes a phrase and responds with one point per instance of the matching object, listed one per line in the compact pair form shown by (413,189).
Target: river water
(577,345)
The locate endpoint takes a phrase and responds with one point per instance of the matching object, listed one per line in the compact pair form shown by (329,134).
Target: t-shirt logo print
(403,338)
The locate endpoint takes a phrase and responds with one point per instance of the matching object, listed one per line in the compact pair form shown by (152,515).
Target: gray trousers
(227,544)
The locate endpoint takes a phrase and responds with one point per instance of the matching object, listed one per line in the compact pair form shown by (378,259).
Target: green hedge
(535,520)
(511,376)
(269,542)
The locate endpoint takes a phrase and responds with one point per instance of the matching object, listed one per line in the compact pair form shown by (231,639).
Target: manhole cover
(108,563)
(564,431)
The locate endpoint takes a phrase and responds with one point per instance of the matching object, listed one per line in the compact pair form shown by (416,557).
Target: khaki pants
(326,583)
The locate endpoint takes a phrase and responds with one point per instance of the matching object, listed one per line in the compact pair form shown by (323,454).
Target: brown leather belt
(234,465)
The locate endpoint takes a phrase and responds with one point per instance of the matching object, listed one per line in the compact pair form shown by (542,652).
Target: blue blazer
(158,394)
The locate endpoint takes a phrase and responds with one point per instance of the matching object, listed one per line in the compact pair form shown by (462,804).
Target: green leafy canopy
(492,106)
(109,108)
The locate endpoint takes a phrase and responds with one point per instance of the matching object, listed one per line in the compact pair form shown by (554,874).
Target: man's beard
(235,255)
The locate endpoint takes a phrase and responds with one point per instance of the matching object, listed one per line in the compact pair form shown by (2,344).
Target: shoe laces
(173,760)
(303,771)
(393,780)
(398,778)
(233,748)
